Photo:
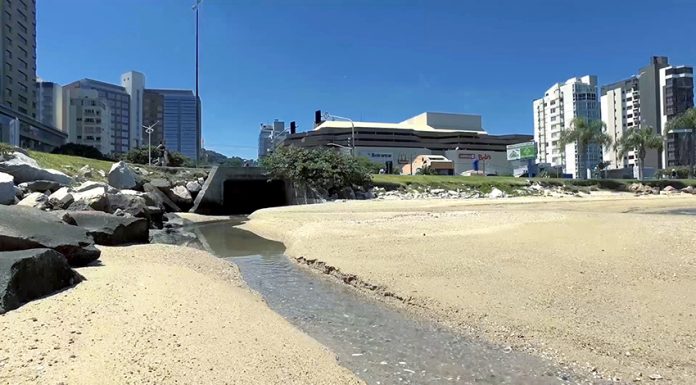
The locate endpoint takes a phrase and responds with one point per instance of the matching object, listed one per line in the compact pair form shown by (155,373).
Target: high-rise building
(49,104)
(134,83)
(18,56)
(269,136)
(676,96)
(118,100)
(554,112)
(87,118)
(176,112)
(658,93)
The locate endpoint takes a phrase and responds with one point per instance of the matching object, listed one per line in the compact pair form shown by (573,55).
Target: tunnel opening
(244,196)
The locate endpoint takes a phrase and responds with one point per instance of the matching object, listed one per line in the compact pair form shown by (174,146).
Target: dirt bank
(159,315)
(596,282)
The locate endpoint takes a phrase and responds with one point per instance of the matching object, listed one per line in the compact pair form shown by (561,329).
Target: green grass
(70,164)
(508,183)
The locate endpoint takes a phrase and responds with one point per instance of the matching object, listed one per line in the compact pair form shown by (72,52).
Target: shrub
(319,168)
(6,149)
(82,150)
(426,170)
(139,156)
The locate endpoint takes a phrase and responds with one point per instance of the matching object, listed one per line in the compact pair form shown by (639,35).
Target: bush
(682,173)
(82,150)
(6,149)
(318,168)
(139,156)
(426,170)
(368,164)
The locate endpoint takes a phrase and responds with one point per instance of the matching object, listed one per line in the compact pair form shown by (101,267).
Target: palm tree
(639,140)
(686,120)
(583,133)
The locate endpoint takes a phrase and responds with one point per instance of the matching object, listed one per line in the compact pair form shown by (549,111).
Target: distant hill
(213,157)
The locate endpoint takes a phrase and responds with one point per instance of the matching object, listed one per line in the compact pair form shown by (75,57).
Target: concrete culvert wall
(246,196)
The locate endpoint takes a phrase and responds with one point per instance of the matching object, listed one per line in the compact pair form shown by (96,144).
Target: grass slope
(69,164)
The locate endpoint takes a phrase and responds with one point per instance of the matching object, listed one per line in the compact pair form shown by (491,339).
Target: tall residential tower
(554,113)
(18,56)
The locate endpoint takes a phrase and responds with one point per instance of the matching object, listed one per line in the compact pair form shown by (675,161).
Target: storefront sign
(522,151)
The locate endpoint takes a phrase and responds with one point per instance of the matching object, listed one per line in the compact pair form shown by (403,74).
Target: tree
(686,120)
(583,133)
(140,155)
(639,139)
(319,168)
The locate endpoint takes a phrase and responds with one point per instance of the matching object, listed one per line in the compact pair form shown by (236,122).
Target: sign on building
(378,157)
(522,151)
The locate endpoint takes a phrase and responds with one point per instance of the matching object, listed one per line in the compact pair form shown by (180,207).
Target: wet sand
(599,284)
(159,314)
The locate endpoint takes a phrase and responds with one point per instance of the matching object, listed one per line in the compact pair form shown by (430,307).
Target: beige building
(87,118)
(437,163)
(18,42)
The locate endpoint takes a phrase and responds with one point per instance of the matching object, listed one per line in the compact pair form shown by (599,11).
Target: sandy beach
(599,284)
(159,315)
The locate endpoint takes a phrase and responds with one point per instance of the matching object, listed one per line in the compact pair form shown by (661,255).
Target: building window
(22,87)
(22,39)
(9,79)
(8,54)
(23,75)
(22,27)
(8,15)
(23,63)
(22,110)
(8,92)
(22,98)
(8,67)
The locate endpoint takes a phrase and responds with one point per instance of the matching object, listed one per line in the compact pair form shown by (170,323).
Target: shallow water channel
(380,344)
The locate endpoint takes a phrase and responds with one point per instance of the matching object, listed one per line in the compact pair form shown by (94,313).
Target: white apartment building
(134,83)
(87,118)
(270,135)
(553,113)
(620,107)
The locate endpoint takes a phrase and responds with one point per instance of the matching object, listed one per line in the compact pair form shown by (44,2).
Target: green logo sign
(521,151)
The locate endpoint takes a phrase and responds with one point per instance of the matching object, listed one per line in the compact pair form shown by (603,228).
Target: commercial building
(658,93)
(554,112)
(49,104)
(457,137)
(87,118)
(18,56)
(118,102)
(270,135)
(175,110)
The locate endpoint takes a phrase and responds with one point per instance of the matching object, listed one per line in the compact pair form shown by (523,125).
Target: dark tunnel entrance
(244,196)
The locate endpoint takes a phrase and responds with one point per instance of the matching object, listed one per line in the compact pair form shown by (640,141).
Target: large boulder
(158,195)
(121,176)
(93,199)
(86,172)
(131,204)
(61,199)
(25,169)
(496,193)
(108,229)
(91,185)
(36,200)
(180,195)
(24,228)
(30,274)
(40,186)
(193,187)
(7,189)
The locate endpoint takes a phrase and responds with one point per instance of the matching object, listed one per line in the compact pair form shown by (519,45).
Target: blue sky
(376,60)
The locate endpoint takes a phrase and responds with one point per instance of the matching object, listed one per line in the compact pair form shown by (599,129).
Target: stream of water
(380,344)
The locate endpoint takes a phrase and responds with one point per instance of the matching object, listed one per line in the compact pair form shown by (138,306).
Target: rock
(668,189)
(86,172)
(101,173)
(93,199)
(24,228)
(173,221)
(25,169)
(201,181)
(180,195)
(131,204)
(121,176)
(91,185)
(7,189)
(30,274)
(437,191)
(155,194)
(36,200)
(40,186)
(346,193)
(175,236)
(688,189)
(161,184)
(110,230)
(496,193)
(193,187)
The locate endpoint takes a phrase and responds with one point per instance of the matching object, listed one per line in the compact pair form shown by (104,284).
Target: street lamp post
(149,129)
(196,6)
(328,116)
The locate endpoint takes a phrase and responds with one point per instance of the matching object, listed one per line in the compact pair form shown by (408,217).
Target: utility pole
(149,129)
(198,106)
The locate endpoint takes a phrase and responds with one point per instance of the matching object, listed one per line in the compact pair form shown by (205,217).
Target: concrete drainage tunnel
(245,196)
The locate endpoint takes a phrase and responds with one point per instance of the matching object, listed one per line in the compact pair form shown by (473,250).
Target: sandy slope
(590,281)
(159,315)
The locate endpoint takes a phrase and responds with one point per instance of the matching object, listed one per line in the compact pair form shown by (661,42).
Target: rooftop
(427,121)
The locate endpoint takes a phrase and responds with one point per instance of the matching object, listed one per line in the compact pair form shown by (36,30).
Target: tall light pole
(196,6)
(328,116)
(149,129)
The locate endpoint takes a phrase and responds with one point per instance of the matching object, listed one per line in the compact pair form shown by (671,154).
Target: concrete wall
(490,162)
